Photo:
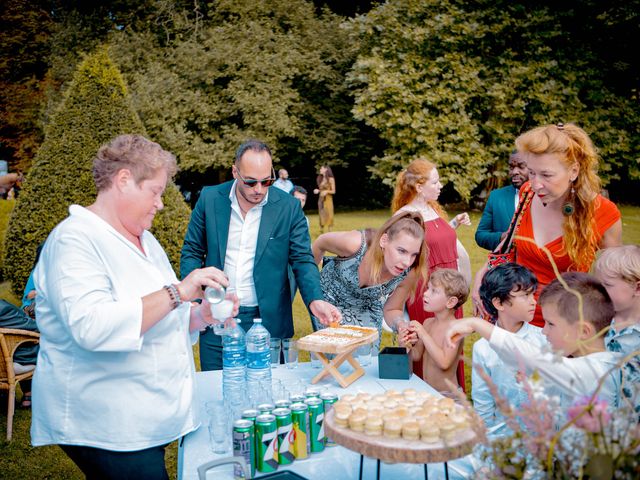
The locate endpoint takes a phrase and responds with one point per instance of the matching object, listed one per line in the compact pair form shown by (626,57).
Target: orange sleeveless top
(529,255)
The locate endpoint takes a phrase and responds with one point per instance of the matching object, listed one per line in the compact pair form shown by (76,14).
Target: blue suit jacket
(496,217)
(283,240)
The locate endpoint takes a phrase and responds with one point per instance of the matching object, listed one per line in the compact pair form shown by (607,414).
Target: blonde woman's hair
(573,146)
(621,262)
(409,223)
(452,283)
(416,173)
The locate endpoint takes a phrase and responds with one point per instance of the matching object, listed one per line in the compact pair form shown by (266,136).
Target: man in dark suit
(501,205)
(254,233)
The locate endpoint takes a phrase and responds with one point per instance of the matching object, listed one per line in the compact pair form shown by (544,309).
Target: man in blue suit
(254,233)
(501,205)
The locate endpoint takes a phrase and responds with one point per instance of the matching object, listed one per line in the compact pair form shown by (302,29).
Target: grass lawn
(18,460)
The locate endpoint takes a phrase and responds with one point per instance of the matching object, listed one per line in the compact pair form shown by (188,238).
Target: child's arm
(445,356)
(574,376)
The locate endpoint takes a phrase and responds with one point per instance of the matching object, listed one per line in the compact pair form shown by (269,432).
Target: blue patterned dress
(361,306)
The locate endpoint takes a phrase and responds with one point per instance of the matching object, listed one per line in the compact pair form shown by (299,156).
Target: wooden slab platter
(399,450)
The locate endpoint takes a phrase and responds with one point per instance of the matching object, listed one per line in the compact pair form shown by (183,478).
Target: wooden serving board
(305,344)
(399,450)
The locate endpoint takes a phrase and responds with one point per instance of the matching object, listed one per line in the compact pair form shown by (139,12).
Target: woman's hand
(478,308)
(316,191)
(460,219)
(191,287)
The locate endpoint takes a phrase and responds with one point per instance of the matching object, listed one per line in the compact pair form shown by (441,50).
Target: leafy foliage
(273,70)
(95,109)
(457,82)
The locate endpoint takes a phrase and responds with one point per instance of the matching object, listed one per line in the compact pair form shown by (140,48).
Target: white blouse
(98,383)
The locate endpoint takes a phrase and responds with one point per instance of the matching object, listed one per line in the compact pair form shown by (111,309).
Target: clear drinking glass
(290,351)
(364,355)
(219,431)
(275,351)
(223,310)
(315,360)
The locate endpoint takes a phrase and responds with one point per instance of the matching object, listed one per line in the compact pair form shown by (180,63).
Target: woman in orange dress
(417,190)
(567,216)
(326,190)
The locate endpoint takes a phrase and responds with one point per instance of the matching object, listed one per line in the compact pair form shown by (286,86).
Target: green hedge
(96,108)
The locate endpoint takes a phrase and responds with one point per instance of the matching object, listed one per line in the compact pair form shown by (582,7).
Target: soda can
(328,399)
(311,392)
(296,398)
(266,408)
(282,403)
(316,424)
(266,443)
(301,439)
(244,446)
(285,429)
(250,414)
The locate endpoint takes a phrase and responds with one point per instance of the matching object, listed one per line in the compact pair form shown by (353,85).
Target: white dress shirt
(98,383)
(241,249)
(503,376)
(568,378)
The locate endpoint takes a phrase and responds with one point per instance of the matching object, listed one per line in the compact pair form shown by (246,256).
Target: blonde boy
(447,290)
(583,359)
(618,268)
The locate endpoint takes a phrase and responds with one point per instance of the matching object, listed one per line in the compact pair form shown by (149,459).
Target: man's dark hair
(299,189)
(254,145)
(500,281)
(596,304)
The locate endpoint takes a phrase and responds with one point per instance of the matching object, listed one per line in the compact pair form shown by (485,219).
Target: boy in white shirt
(583,359)
(507,294)
(618,268)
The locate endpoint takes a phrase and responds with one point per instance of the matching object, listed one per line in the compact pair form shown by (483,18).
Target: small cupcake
(356,421)
(392,427)
(373,426)
(410,431)
(429,433)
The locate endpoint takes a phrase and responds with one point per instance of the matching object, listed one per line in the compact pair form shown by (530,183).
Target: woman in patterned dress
(367,272)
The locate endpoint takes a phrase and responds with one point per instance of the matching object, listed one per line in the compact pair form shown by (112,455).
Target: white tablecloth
(332,464)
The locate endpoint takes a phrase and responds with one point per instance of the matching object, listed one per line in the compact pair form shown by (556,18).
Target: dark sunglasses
(266,182)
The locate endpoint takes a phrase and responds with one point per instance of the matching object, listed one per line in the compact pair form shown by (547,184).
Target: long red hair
(416,173)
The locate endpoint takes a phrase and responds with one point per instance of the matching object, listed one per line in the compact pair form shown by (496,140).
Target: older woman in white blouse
(115,377)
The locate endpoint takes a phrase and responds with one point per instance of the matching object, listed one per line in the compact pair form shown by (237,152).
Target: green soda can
(282,403)
(250,414)
(300,419)
(328,399)
(266,443)
(311,392)
(266,408)
(296,398)
(316,424)
(285,428)
(244,446)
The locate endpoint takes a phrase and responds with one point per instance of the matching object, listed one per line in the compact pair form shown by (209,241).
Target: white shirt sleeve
(572,376)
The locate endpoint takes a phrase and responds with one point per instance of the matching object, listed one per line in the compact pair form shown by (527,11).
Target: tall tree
(457,82)
(95,109)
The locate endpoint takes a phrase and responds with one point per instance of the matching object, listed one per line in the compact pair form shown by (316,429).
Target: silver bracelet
(172,290)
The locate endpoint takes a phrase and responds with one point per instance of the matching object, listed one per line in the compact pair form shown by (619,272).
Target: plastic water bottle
(258,360)
(234,362)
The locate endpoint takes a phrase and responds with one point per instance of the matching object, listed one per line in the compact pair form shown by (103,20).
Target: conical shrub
(96,108)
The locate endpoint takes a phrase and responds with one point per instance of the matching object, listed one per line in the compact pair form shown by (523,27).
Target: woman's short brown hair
(132,152)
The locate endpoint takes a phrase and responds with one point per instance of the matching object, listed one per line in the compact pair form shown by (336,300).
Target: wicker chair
(10,339)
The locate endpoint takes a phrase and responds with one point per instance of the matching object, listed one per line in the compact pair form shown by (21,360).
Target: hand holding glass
(222,311)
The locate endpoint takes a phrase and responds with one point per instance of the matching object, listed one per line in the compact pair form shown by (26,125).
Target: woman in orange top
(567,216)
